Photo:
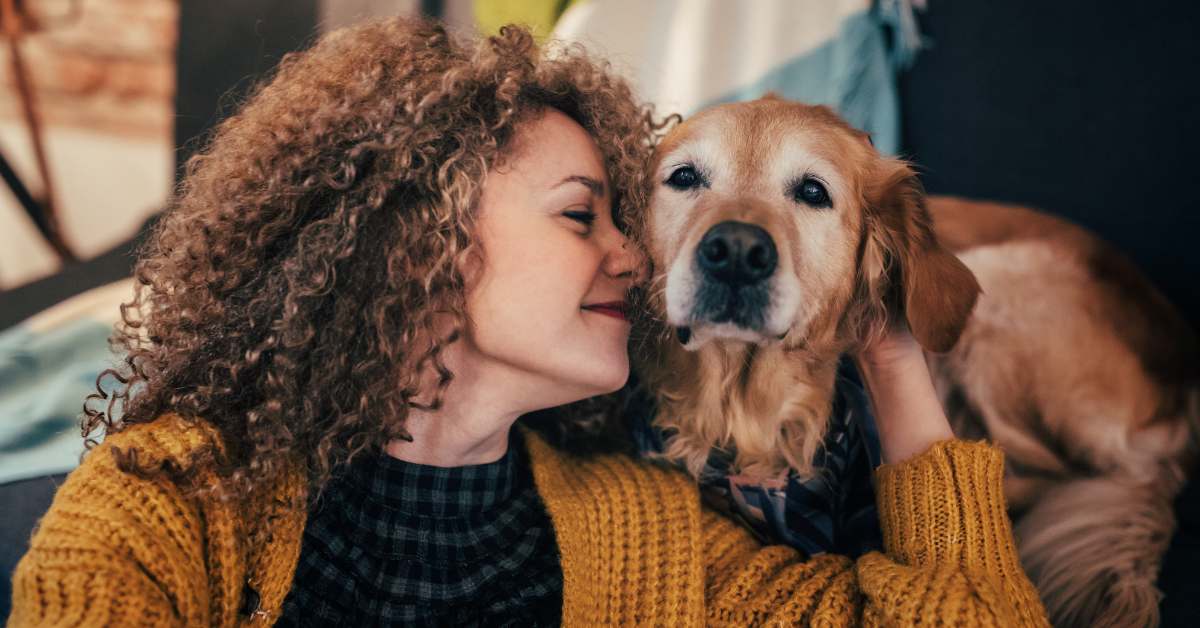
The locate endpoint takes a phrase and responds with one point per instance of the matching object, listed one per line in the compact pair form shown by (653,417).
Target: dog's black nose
(737,253)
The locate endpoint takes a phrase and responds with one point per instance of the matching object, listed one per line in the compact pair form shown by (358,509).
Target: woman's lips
(615,309)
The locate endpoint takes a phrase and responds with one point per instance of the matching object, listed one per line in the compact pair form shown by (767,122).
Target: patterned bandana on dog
(834,511)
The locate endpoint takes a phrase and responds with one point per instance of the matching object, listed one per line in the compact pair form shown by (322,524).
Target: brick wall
(104,77)
(106,65)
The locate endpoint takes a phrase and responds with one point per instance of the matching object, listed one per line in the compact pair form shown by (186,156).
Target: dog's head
(776,222)
(780,239)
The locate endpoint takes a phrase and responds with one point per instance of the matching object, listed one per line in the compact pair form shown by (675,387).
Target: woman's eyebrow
(593,186)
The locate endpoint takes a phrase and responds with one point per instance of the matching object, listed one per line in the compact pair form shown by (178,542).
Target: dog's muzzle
(736,260)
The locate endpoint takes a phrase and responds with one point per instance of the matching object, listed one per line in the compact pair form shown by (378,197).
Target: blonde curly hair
(289,295)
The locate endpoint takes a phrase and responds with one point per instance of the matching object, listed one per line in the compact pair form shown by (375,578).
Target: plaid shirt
(393,543)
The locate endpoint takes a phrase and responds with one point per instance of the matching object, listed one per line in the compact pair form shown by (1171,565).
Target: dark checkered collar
(438,492)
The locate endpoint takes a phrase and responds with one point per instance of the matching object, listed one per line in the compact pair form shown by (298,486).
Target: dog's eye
(684,178)
(811,193)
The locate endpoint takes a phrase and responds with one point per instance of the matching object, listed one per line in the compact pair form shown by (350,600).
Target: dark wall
(1084,109)
(225,46)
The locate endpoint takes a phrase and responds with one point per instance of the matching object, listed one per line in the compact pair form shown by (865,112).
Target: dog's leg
(979,406)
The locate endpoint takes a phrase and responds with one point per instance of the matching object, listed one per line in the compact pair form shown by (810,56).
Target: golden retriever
(781,240)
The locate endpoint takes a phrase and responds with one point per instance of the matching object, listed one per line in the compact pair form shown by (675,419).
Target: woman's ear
(904,265)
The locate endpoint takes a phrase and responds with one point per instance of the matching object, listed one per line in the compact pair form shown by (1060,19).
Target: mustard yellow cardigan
(637,548)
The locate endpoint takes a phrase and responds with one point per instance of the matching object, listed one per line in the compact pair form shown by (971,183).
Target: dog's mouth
(727,312)
(741,306)
(724,313)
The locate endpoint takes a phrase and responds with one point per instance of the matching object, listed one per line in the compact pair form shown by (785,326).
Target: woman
(397,248)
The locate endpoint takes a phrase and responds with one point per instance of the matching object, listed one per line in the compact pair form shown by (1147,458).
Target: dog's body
(1086,377)
(781,240)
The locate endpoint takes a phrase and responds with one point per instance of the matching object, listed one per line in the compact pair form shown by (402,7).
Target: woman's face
(547,306)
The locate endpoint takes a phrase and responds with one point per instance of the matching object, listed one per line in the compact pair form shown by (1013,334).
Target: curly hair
(289,295)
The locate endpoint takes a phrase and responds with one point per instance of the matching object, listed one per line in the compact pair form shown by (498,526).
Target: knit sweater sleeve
(113,550)
(949,557)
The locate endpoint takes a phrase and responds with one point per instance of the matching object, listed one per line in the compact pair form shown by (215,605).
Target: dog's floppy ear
(906,271)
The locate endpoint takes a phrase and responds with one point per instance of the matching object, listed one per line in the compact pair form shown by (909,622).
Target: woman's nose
(626,259)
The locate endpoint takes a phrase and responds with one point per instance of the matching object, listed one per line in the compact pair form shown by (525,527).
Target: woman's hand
(908,415)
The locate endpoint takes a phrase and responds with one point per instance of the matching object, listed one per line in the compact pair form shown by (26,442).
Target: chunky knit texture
(636,548)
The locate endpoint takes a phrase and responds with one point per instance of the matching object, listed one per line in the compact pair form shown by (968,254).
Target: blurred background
(101,75)
(1083,109)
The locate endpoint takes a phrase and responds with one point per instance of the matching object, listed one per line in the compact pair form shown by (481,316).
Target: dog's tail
(1093,547)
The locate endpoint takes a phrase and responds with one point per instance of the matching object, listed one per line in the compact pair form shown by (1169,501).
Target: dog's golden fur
(1071,362)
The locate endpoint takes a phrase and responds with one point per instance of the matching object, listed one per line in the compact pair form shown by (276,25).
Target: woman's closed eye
(582,215)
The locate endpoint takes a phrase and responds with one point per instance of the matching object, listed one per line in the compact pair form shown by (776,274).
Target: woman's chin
(603,381)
